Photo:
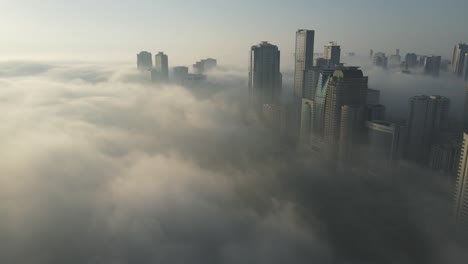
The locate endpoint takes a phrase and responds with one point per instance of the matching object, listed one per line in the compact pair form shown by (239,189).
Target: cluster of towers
(159,72)
(336,115)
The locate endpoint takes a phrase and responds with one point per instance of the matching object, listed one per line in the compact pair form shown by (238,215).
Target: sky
(189,30)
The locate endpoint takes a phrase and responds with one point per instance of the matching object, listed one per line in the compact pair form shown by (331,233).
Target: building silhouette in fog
(205,65)
(144,61)
(332,53)
(161,67)
(320,94)
(461,189)
(380,60)
(180,73)
(458,59)
(411,60)
(432,65)
(428,117)
(265,79)
(385,143)
(375,112)
(304,59)
(347,86)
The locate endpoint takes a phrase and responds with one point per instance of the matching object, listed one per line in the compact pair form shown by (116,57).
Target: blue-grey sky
(188,30)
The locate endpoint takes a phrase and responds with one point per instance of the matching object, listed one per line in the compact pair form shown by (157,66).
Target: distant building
(311,77)
(180,73)
(161,68)
(465,68)
(320,94)
(347,86)
(193,79)
(205,65)
(321,62)
(380,60)
(428,116)
(351,132)
(432,65)
(304,59)
(445,158)
(411,60)
(373,96)
(458,59)
(144,61)
(375,112)
(307,119)
(265,79)
(385,144)
(332,53)
(461,189)
(395,59)
(465,110)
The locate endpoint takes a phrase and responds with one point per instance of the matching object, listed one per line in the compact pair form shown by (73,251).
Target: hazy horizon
(190,30)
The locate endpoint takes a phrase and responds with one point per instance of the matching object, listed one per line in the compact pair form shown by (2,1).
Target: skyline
(224,30)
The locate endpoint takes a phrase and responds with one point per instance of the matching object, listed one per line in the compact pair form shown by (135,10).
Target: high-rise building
(395,59)
(428,116)
(321,62)
(347,86)
(380,60)
(373,96)
(205,65)
(465,110)
(465,68)
(180,73)
(351,131)
(375,112)
(161,67)
(445,158)
(320,93)
(304,59)
(307,118)
(265,79)
(311,77)
(144,61)
(332,53)
(458,58)
(461,189)
(385,144)
(432,65)
(411,60)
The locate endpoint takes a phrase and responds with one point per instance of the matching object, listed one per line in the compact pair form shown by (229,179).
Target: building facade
(161,65)
(461,189)
(428,116)
(458,58)
(144,61)
(265,79)
(304,59)
(332,53)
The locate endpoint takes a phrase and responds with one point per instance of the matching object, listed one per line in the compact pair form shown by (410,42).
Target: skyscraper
(380,60)
(458,58)
(428,116)
(144,61)
(465,68)
(307,117)
(432,65)
(265,79)
(332,53)
(320,93)
(411,60)
(180,73)
(304,59)
(385,144)
(347,86)
(161,65)
(351,128)
(311,77)
(461,189)
(375,112)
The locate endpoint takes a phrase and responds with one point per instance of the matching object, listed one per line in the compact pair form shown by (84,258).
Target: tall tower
(332,53)
(320,93)
(347,86)
(265,79)
(144,61)
(428,116)
(461,190)
(458,58)
(304,59)
(161,65)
